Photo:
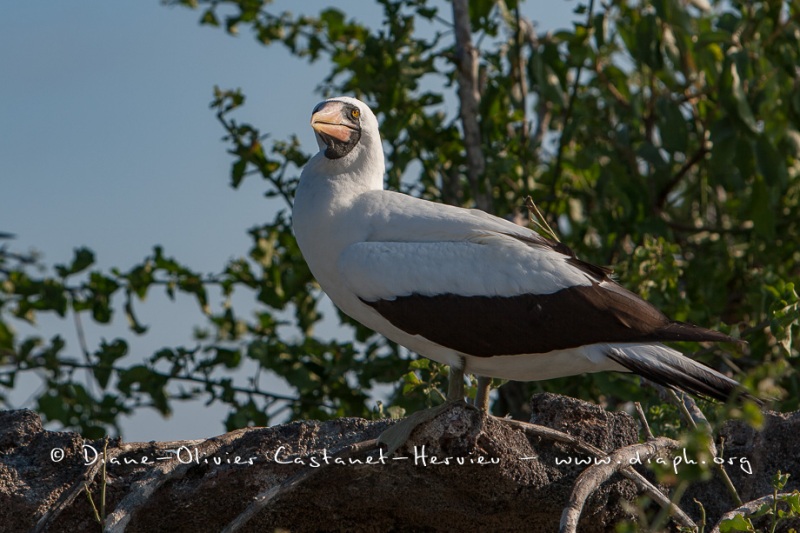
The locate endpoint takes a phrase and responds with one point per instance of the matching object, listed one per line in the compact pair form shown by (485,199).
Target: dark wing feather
(486,326)
(685,374)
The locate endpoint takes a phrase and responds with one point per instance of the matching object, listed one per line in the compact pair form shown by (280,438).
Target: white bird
(468,289)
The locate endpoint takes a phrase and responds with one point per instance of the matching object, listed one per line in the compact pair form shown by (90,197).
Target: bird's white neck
(345,175)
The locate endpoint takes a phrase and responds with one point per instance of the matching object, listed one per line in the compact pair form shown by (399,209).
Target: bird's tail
(670,368)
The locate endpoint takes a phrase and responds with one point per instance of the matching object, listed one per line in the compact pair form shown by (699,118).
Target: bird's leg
(455,385)
(482,395)
(398,434)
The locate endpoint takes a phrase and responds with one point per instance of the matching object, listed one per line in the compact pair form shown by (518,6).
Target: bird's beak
(329,121)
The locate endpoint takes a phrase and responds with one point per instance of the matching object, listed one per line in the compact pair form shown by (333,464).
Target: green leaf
(600,22)
(479,12)
(764,510)
(51,406)
(744,112)
(420,363)
(133,376)
(227,357)
(84,258)
(6,338)
(770,163)
(779,480)
(672,126)
(793,500)
(334,19)
(106,356)
(648,42)
(133,322)
(762,209)
(737,523)
(237,172)
(209,18)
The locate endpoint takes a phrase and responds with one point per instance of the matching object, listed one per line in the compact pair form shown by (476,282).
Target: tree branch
(628,472)
(567,115)
(676,179)
(695,417)
(594,476)
(749,508)
(73,364)
(466,60)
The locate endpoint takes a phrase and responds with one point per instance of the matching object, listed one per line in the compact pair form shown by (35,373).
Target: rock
(755,457)
(462,471)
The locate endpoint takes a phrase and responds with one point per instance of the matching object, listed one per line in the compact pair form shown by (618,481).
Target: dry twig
(645,426)
(590,479)
(749,508)
(628,472)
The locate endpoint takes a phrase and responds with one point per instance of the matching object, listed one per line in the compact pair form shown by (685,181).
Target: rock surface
(330,476)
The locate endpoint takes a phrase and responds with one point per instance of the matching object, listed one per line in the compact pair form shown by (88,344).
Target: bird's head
(347,134)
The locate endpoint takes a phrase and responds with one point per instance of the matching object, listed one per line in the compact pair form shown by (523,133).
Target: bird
(462,287)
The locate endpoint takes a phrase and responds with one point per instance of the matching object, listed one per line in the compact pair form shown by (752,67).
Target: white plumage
(466,288)
(385,270)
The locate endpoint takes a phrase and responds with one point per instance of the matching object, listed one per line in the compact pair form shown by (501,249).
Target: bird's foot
(397,435)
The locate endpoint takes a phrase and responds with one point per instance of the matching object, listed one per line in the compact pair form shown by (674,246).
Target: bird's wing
(500,294)
(484,265)
(395,217)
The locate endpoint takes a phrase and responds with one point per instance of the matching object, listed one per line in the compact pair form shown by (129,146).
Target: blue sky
(107,141)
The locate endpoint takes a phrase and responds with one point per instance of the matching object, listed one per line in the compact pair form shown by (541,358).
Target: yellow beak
(328,121)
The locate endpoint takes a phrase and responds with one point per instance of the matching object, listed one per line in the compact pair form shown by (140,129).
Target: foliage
(659,137)
(781,508)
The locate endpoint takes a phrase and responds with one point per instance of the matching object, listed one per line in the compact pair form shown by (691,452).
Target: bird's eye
(355,113)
